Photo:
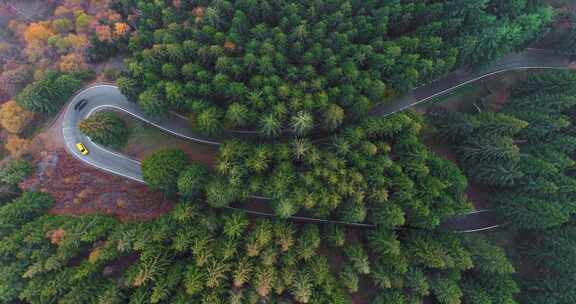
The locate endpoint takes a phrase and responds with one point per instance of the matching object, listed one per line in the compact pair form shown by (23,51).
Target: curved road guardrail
(109,97)
(475,221)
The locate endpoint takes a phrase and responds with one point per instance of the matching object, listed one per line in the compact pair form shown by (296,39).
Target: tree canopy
(295,65)
(196,255)
(13,172)
(286,68)
(379,172)
(192,180)
(105,128)
(161,169)
(48,94)
(525,151)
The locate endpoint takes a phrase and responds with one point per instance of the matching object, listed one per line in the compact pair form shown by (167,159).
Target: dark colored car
(80,105)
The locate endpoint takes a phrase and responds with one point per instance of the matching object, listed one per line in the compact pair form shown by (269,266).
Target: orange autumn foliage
(36,36)
(56,236)
(229,46)
(17,146)
(121,29)
(13,118)
(198,12)
(72,63)
(37,33)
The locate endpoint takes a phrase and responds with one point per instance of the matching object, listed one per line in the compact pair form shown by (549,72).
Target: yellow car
(82,148)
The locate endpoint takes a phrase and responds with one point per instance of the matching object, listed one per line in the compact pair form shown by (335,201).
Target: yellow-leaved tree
(71,63)
(17,146)
(36,36)
(121,29)
(14,118)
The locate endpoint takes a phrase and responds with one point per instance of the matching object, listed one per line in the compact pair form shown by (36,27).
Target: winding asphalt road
(108,97)
(526,60)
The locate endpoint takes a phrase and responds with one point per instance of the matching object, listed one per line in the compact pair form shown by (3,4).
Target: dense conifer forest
(302,75)
(525,154)
(378,172)
(201,256)
(524,151)
(296,65)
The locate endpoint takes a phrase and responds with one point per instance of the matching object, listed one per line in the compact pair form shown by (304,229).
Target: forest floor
(26,10)
(144,140)
(79,189)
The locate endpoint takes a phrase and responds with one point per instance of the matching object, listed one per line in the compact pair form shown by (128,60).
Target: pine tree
(13,172)
(384,242)
(308,242)
(446,290)
(209,121)
(302,287)
(242,272)
(530,212)
(350,279)
(194,280)
(263,280)
(161,169)
(192,180)
(216,272)
(498,124)
(302,123)
(284,235)
(504,174)
(336,235)
(493,149)
(236,116)
(358,258)
(417,282)
(152,103)
(219,193)
(260,159)
(270,126)
(235,225)
(300,147)
(488,258)
(333,117)
(390,297)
